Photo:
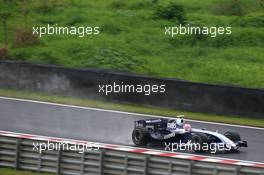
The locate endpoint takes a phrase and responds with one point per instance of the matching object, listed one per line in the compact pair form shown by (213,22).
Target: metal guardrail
(18,153)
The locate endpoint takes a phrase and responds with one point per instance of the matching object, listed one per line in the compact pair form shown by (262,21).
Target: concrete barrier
(181,95)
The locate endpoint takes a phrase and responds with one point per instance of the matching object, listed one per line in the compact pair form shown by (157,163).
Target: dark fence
(179,95)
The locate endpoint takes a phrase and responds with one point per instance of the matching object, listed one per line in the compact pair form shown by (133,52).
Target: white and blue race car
(176,131)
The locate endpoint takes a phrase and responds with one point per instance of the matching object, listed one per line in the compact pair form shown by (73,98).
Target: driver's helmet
(180,120)
(187,127)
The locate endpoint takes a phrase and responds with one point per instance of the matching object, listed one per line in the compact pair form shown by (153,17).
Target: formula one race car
(164,130)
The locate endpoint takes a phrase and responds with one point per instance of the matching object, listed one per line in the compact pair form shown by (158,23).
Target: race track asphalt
(103,126)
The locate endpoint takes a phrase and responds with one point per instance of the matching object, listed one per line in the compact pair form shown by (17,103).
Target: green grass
(133,40)
(6,171)
(133,108)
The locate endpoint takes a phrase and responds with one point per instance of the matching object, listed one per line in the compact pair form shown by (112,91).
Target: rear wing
(161,123)
(140,123)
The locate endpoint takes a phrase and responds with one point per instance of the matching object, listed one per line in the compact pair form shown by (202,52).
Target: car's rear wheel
(198,140)
(140,136)
(234,136)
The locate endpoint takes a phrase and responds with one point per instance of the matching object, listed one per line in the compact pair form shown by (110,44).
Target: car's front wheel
(234,136)
(198,140)
(140,136)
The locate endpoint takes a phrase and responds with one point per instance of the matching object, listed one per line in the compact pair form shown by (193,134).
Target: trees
(261,2)
(4,16)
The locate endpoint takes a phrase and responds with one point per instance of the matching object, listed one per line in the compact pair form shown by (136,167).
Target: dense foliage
(132,37)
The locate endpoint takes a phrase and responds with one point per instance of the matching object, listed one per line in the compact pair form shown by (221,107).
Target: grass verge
(132,37)
(133,108)
(7,171)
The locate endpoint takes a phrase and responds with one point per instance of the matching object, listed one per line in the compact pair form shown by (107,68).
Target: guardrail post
(215,170)
(126,164)
(58,161)
(190,167)
(83,160)
(40,161)
(146,165)
(18,143)
(237,170)
(170,167)
(101,166)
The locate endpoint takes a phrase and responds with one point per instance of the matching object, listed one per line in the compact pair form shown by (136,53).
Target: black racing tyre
(140,136)
(234,136)
(198,140)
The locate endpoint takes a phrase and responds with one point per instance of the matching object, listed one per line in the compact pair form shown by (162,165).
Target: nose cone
(231,145)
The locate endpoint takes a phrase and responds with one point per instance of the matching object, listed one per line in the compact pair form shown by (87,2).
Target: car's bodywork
(157,131)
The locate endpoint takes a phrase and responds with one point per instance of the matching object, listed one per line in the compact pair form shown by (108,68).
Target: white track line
(121,112)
